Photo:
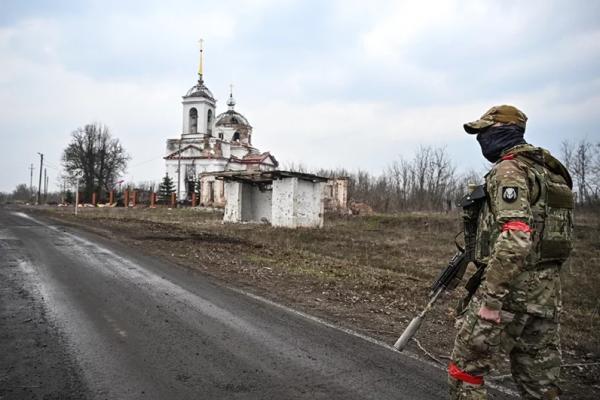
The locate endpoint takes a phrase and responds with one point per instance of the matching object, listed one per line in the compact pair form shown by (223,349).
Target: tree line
(430,181)
(427,181)
(582,159)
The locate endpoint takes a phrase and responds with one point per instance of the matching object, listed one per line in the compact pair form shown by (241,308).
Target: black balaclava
(496,139)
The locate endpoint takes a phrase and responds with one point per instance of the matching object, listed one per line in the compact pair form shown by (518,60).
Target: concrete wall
(262,201)
(233,207)
(308,204)
(283,202)
(256,204)
(297,203)
(246,203)
(336,194)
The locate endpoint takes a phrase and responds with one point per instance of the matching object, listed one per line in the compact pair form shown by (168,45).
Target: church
(211,143)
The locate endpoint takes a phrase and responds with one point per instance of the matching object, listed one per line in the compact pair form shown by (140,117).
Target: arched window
(209,117)
(193,120)
(236,137)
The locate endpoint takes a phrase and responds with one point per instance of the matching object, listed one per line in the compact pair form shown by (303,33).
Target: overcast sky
(352,84)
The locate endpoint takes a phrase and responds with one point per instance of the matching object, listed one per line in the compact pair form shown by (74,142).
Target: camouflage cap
(504,114)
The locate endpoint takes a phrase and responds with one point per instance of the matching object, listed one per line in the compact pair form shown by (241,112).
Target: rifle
(451,276)
(448,279)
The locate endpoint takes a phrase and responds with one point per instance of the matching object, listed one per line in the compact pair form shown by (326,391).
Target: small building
(281,198)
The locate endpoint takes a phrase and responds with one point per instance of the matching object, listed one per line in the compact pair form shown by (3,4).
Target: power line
(144,162)
(52,167)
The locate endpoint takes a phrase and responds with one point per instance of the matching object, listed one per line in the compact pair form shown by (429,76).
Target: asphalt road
(85,317)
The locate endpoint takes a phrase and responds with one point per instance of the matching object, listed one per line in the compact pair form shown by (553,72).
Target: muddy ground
(370,274)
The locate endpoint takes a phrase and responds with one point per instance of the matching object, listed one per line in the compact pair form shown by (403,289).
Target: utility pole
(45,186)
(77,194)
(179,167)
(39,199)
(31,181)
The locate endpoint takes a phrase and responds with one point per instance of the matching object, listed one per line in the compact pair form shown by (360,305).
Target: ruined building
(211,143)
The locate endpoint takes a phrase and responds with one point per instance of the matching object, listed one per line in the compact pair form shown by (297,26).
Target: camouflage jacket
(524,232)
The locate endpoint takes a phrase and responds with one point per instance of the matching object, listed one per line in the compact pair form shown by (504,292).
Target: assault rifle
(448,279)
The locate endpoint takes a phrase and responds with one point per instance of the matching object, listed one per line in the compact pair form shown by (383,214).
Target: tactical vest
(551,202)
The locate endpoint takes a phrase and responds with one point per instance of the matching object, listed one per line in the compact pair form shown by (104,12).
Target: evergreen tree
(69,197)
(165,189)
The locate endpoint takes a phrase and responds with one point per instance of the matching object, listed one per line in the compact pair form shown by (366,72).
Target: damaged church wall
(335,191)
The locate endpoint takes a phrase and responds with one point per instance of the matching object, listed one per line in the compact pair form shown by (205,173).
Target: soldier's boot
(460,390)
(551,394)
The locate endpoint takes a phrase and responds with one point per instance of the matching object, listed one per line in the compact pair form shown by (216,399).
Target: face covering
(496,139)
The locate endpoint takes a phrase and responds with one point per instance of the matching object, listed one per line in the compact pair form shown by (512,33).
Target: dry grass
(368,273)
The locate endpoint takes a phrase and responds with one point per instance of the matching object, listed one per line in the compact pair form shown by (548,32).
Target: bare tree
(97,156)
(21,193)
(582,159)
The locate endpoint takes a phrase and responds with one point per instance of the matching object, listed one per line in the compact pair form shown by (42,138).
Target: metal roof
(262,177)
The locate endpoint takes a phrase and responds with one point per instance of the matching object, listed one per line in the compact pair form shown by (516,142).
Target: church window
(236,137)
(193,120)
(220,135)
(209,117)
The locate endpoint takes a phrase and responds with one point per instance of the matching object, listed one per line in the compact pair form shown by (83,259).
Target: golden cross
(200,67)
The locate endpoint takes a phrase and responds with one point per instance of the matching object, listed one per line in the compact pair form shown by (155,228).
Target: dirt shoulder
(371,274)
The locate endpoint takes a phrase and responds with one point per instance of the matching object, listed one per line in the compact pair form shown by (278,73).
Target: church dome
(200,90)
(231,117)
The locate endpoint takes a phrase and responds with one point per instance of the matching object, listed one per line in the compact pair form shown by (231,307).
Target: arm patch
(510,193)
(508,186)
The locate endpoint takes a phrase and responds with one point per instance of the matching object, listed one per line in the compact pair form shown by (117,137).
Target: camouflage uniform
(524,234)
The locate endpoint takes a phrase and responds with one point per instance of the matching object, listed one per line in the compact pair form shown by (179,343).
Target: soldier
(523,236)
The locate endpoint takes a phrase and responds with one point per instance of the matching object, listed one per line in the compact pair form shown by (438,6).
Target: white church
(211,144)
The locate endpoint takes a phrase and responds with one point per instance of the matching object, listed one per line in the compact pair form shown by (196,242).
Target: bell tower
(199,106)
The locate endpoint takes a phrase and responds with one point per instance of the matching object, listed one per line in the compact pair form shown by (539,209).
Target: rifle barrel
(415,324)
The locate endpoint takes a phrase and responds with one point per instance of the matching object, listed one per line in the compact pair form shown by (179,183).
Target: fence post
(152,199)
(194,199)
(134,198)
(126,198)
(111,197)
(94,199)
(173,200)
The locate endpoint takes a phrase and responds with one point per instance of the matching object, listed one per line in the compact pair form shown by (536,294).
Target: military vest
(551,203)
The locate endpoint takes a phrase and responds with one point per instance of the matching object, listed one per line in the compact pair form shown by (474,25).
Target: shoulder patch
(510,193)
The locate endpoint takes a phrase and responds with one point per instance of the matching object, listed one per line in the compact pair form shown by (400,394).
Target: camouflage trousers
(531,342)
